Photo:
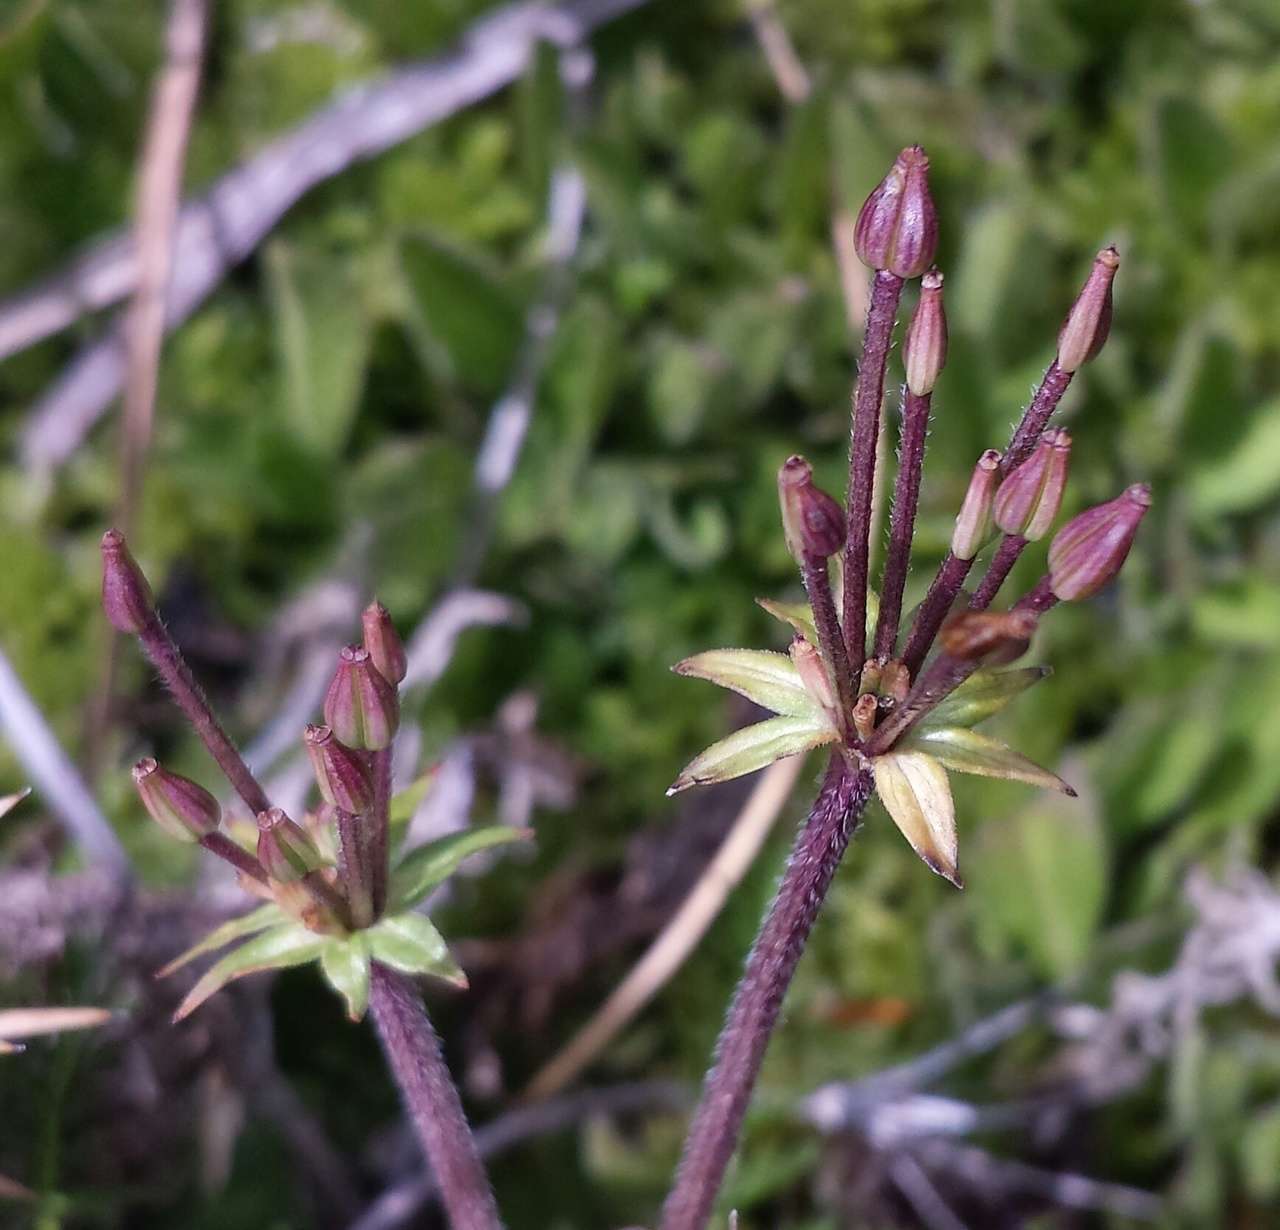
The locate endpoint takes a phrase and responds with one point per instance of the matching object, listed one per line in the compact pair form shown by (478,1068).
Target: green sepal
(279,948)
(966,751)
(752,748)
(411,943)
(981,696)
(426,866)
(236,928)
(344,961)
(769,679)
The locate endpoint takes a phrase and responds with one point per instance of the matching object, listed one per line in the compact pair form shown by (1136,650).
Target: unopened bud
(924,350)
(1031,494)
(284,849)
(381,639)
(990,637)
(897,227)
(361,707)
(183,808)
(126,596)
(1090,549)
(342,775)
(1085,330)
(812,521)
(813,673)
(973,524)
(865,709)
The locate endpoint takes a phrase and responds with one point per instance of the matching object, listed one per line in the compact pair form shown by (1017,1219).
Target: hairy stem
(902,521)
(1043,403)
(172,667)
(1011,546)
(753,1014)
(933,610)
(885,293)
(817,584)
(414,1056)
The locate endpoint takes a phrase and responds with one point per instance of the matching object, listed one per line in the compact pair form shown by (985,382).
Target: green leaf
(425,867)
(345,963)
(752,748)
(966,751)
(981,696)
(279,948)
(916,793)
(237,928)
(411,943)
(770,679)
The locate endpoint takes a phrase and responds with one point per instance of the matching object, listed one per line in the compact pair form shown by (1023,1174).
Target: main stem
(753,1014)
(413,1054)
(885,293)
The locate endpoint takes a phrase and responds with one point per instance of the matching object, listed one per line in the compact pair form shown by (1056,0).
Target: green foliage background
(343,377)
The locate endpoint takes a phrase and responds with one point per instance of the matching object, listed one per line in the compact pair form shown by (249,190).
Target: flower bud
(813,673)
(341,774)
(973,524)
(183,808)
(897,227)
(381,639)
(126,596)
(990,637)
(284,849)
(924,350)
(812,522)
(1031,494)
(1089,550)
(361,707)
(1085,330)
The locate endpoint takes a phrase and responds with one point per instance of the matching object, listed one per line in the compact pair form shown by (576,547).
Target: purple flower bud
(897,227)
(361,706)
(973,524)
(383,643)
(812,522)
(1085,330)
(990,637)
(341,774)
(925,347)
(1089,550)
(284,849)
(1031,494)
(181,807)
(126,596)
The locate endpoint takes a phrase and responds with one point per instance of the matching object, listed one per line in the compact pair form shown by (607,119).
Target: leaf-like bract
(981,696)
(767,678)
(426,866)
(917,795)
(411,943)
(752,748)
(235,929)
(966,751)
(344,962)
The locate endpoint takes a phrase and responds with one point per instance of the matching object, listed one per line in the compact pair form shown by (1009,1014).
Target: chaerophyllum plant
(334,888)
(895,700)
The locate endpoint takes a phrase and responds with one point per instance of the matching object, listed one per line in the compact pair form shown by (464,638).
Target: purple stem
(1040,599)
(227,850)
(379,829)
(1002,562)
(817,584)
(885,293)
(431,1098)
(1043,403)
(753,1014)
(902,523)
(356,865)
(933,610)
(172,667)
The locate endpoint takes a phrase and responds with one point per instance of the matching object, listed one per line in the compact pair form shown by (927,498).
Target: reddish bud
(284,849)
(1085,330)
(341,774)
(812,521)
(183,808)
(897,227)
(381,639)
(990,637)
(924,350)
(126,596)
(973,524)
(1031,494)
(1090,549)
(361,707)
